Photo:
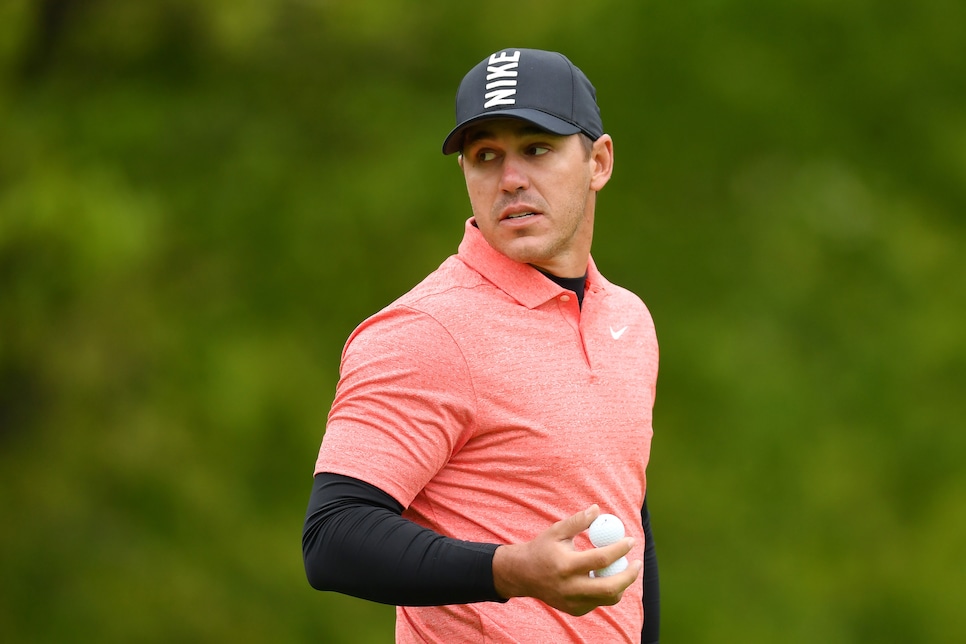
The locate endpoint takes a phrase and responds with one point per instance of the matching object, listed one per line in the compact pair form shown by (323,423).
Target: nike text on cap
(542,87)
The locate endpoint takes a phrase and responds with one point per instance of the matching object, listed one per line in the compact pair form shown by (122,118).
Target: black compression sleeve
(652,592)
(355,541)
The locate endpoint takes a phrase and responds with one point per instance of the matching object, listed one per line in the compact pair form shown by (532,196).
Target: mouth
(518,213)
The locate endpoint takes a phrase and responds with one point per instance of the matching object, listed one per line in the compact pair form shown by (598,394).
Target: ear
(602,160)
(459,159)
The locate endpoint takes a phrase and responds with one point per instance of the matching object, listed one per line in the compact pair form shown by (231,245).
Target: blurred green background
(199,201)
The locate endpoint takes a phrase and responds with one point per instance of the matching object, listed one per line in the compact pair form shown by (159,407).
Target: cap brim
(454,142)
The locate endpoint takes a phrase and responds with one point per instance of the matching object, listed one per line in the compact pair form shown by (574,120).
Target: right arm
(355,541)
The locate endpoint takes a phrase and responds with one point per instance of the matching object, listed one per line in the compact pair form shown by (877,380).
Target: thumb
(577,523)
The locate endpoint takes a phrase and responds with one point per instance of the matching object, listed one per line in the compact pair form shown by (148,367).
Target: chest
(556,382)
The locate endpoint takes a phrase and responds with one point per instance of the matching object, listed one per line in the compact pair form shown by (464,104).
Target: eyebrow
(526,130)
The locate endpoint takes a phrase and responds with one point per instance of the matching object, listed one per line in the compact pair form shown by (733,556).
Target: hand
(552,570)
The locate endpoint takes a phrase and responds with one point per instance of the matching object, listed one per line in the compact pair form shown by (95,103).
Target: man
(487,417)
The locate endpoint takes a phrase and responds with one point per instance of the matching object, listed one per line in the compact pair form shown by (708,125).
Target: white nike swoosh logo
(617,334)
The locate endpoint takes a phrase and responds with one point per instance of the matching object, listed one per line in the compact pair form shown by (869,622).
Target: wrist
(503,566)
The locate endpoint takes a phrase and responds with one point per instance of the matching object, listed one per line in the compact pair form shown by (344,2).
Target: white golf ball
(618,566)
(605,530)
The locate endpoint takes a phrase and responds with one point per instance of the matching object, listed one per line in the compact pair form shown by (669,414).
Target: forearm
(355,541)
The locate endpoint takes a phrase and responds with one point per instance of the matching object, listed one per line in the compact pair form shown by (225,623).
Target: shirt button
(564,298)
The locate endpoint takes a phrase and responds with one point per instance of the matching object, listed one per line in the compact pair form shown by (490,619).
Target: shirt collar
(522,282)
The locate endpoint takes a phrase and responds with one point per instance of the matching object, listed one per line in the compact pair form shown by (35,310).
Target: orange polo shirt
(490,406)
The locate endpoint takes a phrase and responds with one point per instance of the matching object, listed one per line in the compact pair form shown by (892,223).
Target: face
(533,193)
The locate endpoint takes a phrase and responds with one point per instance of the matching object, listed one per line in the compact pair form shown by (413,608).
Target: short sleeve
(404,404)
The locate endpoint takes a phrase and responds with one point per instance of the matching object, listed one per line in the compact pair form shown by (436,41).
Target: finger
(620,582)
(630,575)
(597,558)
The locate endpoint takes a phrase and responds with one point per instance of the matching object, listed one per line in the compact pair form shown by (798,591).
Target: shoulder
(622,298)
(421,319)
(451,295)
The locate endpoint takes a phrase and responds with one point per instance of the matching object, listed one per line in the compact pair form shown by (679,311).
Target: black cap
(542,87)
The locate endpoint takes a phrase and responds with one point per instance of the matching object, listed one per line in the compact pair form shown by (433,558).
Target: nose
(514,176)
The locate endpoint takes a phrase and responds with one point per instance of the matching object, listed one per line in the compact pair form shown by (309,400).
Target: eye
(537,150)
(485,155)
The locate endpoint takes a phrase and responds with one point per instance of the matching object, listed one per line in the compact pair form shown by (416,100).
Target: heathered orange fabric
(490,406)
